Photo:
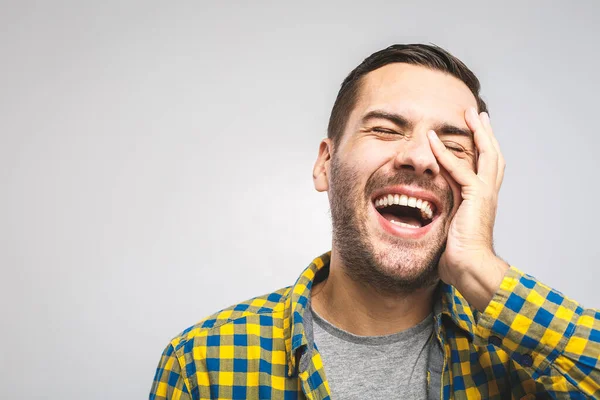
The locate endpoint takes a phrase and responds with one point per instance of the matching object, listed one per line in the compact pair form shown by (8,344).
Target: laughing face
(391,202)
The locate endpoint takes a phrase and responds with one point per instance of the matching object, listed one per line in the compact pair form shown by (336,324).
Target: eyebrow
(402,122)
(392,117)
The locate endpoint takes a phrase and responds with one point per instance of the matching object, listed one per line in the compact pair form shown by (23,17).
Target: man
(412,301)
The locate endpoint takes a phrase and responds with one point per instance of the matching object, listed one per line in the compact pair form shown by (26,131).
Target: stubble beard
(400,266)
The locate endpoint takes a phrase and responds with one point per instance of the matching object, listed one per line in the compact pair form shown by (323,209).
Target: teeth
(426,209)
(403,200)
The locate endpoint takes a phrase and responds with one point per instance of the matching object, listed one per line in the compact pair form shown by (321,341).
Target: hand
(469,262)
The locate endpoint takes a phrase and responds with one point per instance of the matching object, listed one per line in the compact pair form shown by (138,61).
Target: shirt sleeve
(169,382)
(551,336)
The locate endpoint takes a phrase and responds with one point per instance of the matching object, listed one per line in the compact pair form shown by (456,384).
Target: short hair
(430,56)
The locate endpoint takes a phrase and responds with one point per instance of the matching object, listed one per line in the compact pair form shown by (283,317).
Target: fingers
(458,171)
(501,161)
(491,163)
(487,164)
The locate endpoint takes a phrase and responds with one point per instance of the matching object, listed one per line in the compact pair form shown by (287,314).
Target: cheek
(454,188)
(371,154)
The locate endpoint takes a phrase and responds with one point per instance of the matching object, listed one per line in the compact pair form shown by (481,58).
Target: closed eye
(386,131)
(454,147)
(457,149)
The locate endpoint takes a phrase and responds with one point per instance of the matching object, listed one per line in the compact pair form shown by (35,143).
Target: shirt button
(526,360)
(495,340)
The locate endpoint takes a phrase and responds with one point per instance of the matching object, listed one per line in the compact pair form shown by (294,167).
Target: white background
(156,159)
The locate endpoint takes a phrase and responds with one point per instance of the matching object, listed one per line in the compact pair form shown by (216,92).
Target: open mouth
(405,211)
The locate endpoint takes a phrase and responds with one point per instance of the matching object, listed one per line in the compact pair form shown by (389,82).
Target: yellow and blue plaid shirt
(530,342)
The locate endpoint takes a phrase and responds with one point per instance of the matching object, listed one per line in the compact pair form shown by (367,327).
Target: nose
(415,154)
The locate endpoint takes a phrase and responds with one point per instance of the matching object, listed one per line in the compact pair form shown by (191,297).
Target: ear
(322,165)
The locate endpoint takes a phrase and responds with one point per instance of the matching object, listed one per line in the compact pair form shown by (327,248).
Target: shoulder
(260,310)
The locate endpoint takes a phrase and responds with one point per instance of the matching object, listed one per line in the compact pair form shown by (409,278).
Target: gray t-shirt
(375,367)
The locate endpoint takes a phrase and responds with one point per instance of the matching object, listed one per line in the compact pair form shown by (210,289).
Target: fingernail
(473,112)
(433,135)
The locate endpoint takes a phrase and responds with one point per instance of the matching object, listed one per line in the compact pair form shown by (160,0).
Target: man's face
(384,158)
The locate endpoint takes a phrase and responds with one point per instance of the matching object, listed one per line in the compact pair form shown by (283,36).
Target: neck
(358,308)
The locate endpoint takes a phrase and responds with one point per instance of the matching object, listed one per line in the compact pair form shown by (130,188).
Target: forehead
(416,92)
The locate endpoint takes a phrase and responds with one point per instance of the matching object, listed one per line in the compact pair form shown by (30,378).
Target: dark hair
(430,56)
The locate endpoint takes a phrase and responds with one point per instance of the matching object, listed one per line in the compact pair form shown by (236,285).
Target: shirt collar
(449,302)
(296,303)
(454,305)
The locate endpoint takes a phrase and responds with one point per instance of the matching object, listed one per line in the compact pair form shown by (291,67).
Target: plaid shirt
(530,342)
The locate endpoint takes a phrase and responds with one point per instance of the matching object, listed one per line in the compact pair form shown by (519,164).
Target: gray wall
(155,162)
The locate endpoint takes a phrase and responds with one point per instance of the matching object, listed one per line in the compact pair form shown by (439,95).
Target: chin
(400,270)
(404,265)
